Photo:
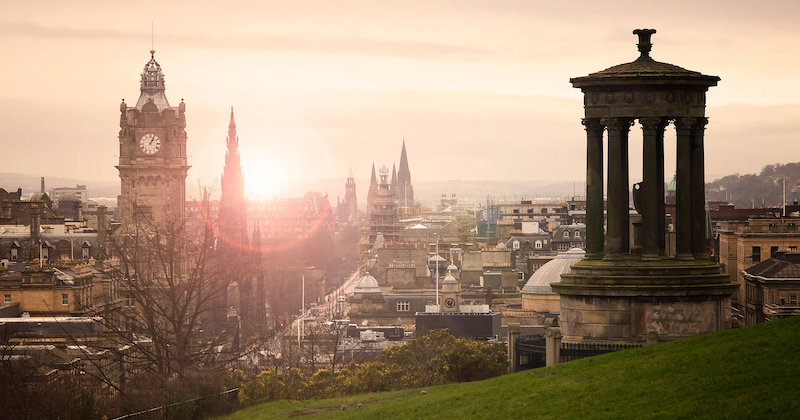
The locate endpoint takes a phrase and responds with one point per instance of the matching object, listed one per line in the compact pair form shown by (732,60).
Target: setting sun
(264,178)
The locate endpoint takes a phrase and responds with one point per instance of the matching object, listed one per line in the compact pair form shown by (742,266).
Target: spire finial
(644,41)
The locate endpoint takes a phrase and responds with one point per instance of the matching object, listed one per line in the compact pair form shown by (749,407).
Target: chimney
(76,210)
(42,185)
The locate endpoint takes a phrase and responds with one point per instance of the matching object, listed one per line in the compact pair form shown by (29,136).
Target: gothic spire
(232,203)
(393,185)
(404,190)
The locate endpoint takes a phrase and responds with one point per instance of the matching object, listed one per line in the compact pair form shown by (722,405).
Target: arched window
(577,234)
(566,234)
(538,245)
(515,245)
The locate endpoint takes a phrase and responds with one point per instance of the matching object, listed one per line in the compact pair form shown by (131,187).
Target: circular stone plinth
(623,300)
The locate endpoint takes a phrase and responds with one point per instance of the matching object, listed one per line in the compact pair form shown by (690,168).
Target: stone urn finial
(644,41)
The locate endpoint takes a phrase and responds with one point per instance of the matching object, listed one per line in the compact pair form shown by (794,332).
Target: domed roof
(645,69)
(67,197)
(673,185)
(452,268)
(540,281)
(367,284)
(449,279)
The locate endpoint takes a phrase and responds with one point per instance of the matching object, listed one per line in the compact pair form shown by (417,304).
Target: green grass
(751,372)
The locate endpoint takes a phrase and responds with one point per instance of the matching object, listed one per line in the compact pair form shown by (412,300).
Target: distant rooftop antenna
(151,36)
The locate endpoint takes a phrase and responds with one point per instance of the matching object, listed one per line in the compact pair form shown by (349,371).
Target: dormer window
(14,256)
(566,234)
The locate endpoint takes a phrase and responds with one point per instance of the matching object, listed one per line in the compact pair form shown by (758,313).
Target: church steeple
(393,184)
(404,190)
(373,189)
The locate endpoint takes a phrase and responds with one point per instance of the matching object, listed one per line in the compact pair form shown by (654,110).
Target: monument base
(631,299)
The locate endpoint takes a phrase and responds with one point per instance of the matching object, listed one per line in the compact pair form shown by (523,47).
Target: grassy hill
(751,372)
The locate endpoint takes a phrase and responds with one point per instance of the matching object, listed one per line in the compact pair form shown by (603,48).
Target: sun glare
(263,179)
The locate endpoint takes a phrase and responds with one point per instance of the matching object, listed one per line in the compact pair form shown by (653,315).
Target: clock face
(450,302)
(150,144)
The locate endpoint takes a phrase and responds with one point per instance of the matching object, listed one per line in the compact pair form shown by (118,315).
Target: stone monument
(621,292)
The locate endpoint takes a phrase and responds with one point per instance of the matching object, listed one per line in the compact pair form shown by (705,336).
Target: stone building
(282,222)
(772,288)
(744,244)
(369,306)
(152,152)
(567,237)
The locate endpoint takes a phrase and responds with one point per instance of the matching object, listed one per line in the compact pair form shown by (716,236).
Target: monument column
(683,193)
(622,298)
(595,237)
(617,241)
(662,223)
(698,191)
(653,186)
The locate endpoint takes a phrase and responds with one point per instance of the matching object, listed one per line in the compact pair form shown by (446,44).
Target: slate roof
(774,268)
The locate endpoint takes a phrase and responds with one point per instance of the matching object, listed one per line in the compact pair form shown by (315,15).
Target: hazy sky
(478,90)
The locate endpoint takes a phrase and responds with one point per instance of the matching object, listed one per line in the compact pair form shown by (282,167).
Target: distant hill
(762,190)
(744,191)
(744,373)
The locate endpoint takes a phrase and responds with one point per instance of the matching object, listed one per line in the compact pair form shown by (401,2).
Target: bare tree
(174,283)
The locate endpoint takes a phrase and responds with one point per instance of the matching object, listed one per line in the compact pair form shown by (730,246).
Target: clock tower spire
(152,152)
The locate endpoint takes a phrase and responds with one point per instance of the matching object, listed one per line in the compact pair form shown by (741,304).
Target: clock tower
(152,152)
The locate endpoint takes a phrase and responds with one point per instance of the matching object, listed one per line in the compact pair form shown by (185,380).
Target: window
(544,210)
(792,300)
(538,245)
(403,306)
(793,249)
(756,254)
(14,253)
(7,298)
(520,275)
(515,245)
(577,234)
(85,253)
(566,234)
(45,253)
(773,251)
(65,299)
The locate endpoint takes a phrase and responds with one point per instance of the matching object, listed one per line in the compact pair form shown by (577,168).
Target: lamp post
(437,268)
